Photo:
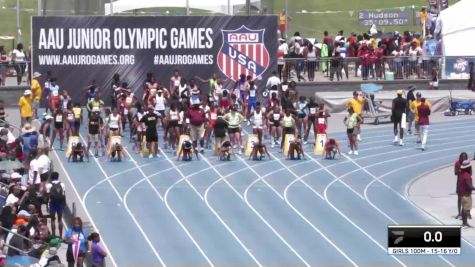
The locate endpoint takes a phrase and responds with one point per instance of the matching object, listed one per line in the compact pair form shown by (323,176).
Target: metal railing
(356,68)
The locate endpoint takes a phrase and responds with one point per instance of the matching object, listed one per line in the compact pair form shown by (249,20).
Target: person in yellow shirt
(357,103)
(36,92)
(414,105)
(423,18)
(283,20)
(26,111)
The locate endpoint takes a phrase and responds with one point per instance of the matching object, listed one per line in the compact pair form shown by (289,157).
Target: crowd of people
(370,55)
(216,117)
(16,63)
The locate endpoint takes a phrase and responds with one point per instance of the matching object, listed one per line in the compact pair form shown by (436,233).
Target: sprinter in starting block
(225,151)
(115,150)
(259,150)
(186,151)
(296,151)
(78,152)
(331,149)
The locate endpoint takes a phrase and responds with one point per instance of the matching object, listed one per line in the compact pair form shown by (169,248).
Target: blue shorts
(56,208)
(251,105)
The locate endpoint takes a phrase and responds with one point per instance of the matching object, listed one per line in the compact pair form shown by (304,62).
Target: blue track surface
(313,212)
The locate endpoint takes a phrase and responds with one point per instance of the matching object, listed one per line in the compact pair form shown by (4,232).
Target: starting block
(182,138)
(320,141)
(72,142)
(251,141)
(287,140)
(144,151)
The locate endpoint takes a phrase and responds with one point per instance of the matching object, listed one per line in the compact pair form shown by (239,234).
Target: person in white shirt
(282,52)
(19,60)
(273,84)
(43,164)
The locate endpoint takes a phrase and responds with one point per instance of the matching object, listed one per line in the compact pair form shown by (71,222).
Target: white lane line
(84,206)
(388,129)
(342,214)
(430,216)
(262,178)
(147,239)
(103,172)
(388,143)
(164,199)
(259,215)
(212,210)
(386,161)
(377,179)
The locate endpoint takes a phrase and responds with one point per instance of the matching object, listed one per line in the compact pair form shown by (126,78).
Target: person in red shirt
(322,121)
(364,55)
(197,117)
(465,187)
(424,111)
(463,156)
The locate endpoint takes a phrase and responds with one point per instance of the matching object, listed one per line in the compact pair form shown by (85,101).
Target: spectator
(17,242)
(44,167)
(283,20)
(365,54)
(26,109)
(50,258)
(457,170)
(282,52)
(47,91)
(465,187)
(471,79)
(76,238)
(19,61)
(36,92)
(29,140)
(7,217)
(56,193)
(44,141)
(98,252)
(3,115)
(3,65)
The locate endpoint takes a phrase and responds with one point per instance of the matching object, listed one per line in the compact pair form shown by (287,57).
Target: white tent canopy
(219,6)
(457,27)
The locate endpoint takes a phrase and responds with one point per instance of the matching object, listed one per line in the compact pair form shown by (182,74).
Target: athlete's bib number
(252,93)
(214,116)
(321,139)
(276,117)
(321,121)
(59,118)
(313,111)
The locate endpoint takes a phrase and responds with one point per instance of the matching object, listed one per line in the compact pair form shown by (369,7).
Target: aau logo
(243,51)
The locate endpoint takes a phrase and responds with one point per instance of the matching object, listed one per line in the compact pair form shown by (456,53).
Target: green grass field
(313,25)
(308,24)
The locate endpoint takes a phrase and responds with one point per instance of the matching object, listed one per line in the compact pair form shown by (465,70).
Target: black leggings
(396,128)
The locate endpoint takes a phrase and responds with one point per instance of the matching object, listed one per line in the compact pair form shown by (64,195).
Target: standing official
(357,103)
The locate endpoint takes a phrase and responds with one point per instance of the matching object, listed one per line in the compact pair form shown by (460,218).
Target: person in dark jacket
(465,187)
(398,111)
(471,79)
(423,111)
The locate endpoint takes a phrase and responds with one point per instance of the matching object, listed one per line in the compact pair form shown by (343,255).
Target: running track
(312,212)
